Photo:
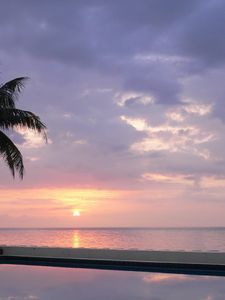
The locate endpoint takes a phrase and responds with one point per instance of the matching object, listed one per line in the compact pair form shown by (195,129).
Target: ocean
(189,239)
(51,283)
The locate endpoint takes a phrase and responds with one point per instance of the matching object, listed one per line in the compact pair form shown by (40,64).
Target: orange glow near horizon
(84,199)
(74,208)
(60,205)
(61,194)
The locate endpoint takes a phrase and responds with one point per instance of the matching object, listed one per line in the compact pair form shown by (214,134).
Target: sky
(132,94)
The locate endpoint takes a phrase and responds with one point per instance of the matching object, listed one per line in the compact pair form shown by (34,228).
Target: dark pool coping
(192,263)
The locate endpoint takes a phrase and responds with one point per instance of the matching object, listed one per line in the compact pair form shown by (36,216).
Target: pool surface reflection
(26,282)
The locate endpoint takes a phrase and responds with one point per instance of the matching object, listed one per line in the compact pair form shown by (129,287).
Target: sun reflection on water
(76,239)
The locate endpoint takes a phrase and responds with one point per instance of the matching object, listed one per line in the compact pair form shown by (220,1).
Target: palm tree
(10,118)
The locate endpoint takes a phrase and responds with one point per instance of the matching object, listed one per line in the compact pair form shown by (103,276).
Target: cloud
(133,99)
(183,112)
(200,35)
(179,138)
(169,179)
(31,139)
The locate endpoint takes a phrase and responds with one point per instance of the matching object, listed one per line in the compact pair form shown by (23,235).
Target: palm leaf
(11,117)
(11,155)
(10,91)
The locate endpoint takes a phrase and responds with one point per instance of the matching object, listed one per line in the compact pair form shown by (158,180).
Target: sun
(76,213)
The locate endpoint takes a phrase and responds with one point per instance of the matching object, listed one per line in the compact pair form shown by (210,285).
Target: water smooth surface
(203,239)
(46,283)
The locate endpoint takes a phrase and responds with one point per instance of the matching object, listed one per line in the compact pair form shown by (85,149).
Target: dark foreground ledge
(178,262)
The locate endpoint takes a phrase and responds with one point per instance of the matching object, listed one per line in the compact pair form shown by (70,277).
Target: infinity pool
(27,283)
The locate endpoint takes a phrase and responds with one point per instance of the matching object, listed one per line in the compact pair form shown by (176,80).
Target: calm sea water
(204,239)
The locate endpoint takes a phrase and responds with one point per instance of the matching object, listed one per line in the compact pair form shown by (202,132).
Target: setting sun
(76,213)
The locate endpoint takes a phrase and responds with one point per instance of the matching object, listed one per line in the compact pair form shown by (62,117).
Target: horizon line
(111,227)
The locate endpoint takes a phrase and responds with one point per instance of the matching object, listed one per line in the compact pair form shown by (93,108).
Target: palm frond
(11,155)
(10,91)
(11,117)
